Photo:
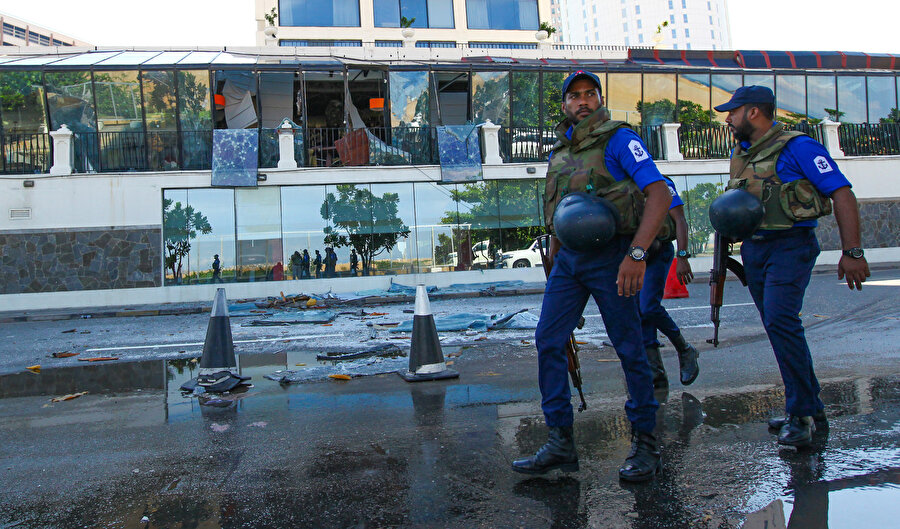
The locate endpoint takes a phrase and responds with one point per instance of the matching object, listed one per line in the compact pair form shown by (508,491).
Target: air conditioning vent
(20,214)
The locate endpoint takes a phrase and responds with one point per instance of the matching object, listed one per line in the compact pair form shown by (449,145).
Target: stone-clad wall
(80,259)
(880,224)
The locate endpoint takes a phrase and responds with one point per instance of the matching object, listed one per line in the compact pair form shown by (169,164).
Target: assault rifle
(543,243)
(722,262)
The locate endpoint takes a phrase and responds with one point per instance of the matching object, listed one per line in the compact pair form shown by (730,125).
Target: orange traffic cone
(674,288)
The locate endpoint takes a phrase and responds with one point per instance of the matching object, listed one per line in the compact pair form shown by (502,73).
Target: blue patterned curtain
(460,153)
(235,157)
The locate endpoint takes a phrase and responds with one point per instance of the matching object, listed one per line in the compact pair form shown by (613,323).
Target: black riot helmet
(736,214)
(585,222)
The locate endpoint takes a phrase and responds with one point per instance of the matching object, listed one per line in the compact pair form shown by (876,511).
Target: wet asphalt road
(378,452)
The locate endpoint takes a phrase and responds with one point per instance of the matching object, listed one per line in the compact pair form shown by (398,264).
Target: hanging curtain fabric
(460,153)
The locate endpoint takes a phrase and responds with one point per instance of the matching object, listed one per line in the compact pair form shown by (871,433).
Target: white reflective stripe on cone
(431,368)
(423,306)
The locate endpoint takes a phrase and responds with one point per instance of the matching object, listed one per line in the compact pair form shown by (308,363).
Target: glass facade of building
(153,116)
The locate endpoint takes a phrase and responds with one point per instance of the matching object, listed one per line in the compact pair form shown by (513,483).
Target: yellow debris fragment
(339,377)
(34,368)
(311,302)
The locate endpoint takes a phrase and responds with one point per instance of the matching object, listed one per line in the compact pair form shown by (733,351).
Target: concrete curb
(136,312)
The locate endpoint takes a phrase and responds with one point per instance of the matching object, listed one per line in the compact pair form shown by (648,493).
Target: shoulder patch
(638,151)
(822,164)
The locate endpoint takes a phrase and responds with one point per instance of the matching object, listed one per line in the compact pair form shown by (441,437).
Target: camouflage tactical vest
(579,164)
(784,204)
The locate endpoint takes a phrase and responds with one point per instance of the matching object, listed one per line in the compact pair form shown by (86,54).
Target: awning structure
(700,58)
(74,59)
(829,60)
(806,60)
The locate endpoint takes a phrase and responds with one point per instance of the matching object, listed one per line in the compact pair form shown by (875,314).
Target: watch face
(682,253)
(856,253)
(637,253)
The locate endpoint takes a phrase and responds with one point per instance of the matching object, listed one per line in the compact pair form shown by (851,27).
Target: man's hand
(856,270)
(683,270)
(631,276)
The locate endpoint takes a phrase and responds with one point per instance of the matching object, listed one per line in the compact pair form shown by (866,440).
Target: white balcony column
(63,151)
(830,138)
(409,37)
(286,158)
(671,149)
(490,143)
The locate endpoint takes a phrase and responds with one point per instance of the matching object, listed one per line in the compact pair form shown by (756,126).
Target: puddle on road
(716,464)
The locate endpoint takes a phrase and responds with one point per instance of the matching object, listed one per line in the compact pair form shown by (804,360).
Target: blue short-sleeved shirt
(804,157)
(676,200)
(626,155)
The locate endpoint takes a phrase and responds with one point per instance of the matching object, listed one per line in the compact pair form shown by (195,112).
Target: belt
(800,231)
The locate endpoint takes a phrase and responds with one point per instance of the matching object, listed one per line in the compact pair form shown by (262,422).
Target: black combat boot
(657,369)
(644,461)
(559,452)
(797,431)
(687,360)
(819,419)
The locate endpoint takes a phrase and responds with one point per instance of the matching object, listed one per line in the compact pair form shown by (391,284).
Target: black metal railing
(653,138)
(25,153)
(705,141)
(869,139)
(526,144)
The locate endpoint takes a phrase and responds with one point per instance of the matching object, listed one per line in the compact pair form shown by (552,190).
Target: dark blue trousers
(653,314)
(778,269)
(574,278)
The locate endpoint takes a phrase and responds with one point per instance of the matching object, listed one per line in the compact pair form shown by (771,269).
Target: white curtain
(528,17)
(477,13)
(440,13)
(345,12)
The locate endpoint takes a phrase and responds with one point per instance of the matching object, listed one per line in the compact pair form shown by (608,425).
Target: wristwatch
(683,254)
(637,253)
(856,253)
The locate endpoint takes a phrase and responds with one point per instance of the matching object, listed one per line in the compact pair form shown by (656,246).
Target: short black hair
(767,109)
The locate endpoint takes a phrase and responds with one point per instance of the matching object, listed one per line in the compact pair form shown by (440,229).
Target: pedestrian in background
(653,315)
(317,262)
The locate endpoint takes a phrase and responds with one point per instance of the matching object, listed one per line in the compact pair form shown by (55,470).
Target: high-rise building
(18,32)
(434,23)
(668,24)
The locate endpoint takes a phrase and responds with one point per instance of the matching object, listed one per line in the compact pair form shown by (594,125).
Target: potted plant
(406,24)
(272,19)
(545,31)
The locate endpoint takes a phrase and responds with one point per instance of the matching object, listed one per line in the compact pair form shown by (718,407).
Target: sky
(822,25)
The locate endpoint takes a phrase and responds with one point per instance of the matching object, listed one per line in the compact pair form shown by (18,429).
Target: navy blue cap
(747,94)
(580,74)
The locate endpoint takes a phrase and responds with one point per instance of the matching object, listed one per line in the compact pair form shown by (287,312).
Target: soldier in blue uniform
(601,156)
(653,315)
(794,177)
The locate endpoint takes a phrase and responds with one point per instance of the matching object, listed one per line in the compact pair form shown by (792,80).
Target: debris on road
(469,321)
(293,318)
(70,396)
(34,368)
(340,377)
(387,350)
(99,359)
(63,354)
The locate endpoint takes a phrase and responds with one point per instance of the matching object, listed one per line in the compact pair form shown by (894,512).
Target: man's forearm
(681,227)
(846,213)
(655,210)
